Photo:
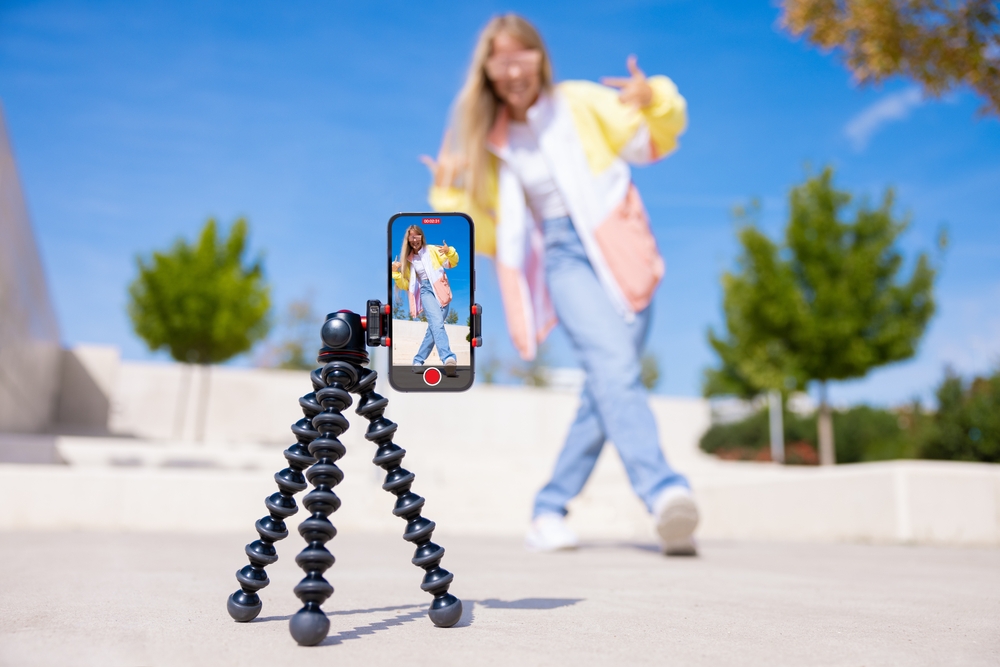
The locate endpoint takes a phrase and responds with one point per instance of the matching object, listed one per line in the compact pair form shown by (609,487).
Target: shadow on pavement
(637,546)
(419,611)
(372,628)
(529,603)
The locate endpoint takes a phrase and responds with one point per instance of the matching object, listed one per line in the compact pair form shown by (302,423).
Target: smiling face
(515,72)
(416,239)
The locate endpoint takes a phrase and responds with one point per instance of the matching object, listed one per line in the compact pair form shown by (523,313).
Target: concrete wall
(29,335)
(88,385)
(215,404)
(225,406)
(479,457)
(901,502)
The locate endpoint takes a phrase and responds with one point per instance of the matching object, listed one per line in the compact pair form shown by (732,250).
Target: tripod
(316,452)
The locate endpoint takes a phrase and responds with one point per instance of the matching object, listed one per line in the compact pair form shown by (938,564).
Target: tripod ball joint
(336,332)
(309,627)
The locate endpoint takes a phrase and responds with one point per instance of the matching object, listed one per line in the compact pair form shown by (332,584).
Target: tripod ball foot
(242,607)
(309,627)
(445,611)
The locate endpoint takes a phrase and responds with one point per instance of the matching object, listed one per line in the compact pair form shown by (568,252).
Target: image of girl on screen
(544,170)
(419,270)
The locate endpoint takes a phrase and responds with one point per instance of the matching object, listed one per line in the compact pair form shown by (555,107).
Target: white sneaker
(549,532)
(452,361)
(676,516)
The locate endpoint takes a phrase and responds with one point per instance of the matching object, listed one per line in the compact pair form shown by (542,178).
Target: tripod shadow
(416,612)
(648,547)
(645,547)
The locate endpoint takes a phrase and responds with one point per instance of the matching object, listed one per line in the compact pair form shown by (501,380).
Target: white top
(418,263)
(526,160)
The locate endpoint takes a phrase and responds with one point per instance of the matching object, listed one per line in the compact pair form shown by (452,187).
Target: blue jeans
(436,334)
(614,404)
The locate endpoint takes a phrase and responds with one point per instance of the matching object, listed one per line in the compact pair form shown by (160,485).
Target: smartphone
(432,280)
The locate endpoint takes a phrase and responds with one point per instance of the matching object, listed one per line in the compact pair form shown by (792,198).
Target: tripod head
(343,335)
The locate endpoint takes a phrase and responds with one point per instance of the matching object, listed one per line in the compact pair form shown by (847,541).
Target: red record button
(432,376)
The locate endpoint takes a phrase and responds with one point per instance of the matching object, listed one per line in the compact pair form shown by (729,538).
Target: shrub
(967,424)
(862,433)
(749,439)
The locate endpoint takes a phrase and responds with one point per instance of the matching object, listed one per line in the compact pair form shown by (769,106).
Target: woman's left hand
(448,167)
(443,248)
(635,90)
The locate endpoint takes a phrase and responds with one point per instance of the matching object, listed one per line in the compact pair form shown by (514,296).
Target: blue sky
(132,122)
(454,230)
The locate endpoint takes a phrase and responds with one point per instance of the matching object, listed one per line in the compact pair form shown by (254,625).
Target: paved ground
(407,337)
(119,599)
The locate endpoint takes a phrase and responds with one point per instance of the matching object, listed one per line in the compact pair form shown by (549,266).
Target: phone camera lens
(336,333)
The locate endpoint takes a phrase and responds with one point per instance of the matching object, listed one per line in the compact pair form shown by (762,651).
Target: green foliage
(862,433)
(967,424)
(199,301)
(650,371)
(762,307)
(825,305)
(966,427)
(727,380)
(753,433)
(452,318)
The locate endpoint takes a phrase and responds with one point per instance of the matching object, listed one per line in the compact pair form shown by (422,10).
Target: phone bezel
(442,386)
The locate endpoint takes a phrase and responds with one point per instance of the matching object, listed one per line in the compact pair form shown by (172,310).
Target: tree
(199,302)
(452,318)
(824,306)
(941,44)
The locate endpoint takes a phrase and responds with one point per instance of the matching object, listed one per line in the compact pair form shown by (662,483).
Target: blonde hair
(404,251)
(478,104)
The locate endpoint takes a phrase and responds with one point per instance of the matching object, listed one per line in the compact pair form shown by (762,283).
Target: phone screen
(431,292)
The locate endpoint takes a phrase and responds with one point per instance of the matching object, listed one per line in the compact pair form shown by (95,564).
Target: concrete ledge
(479,469)
(925,502)
(898,502)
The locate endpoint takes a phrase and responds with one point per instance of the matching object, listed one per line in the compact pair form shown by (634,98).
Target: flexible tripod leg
(309,626)
(446,609)
(244,605)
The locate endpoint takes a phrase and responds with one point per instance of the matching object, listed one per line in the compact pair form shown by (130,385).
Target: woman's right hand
(396,265)
(448,166)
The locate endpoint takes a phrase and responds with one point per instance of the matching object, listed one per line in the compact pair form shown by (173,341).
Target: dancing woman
(421,274)
(543,169)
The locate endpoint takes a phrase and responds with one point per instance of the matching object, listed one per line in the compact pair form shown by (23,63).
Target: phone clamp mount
(312,459)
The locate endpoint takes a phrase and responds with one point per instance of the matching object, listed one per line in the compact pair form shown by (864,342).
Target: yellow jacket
(437,277)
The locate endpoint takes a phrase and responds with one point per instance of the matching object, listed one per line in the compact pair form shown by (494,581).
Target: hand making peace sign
(635,90)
